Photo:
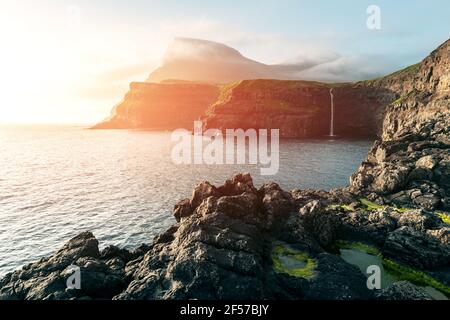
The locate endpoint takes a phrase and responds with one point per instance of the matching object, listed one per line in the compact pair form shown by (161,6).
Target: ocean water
(57,181)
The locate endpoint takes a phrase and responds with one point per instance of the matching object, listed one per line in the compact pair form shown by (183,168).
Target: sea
(57,181)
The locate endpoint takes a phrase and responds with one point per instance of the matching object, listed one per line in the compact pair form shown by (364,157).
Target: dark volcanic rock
(403,290)
(418,248)
(322,224)
(223,251)
(101,277)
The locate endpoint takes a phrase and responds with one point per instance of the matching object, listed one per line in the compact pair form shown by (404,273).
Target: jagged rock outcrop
(222,250)
(409,168)
(239,242)
(403,290)
(102,273)
(411,165)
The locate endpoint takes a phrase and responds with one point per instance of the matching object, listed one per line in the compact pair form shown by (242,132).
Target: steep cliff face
(389,107)
(410,166)
(167,105)
(424,95)
(300,108)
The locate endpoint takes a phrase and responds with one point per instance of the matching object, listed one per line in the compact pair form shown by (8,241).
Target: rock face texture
(300,109)
(186,88)
(164,106)
(411,164)
(239,242)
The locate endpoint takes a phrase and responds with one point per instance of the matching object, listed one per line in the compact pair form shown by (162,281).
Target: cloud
(348,68)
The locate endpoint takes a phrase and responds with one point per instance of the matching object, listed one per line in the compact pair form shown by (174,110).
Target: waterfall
(332,113)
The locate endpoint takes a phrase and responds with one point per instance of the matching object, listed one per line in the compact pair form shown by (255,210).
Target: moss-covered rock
(398,271)
(293,262)
(444,217)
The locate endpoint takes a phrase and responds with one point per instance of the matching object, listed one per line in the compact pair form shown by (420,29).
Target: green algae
(360,246)
(293,262)
(371,206)
(444,217)
(420,278)
(344,207)
(402,209)
(398,271)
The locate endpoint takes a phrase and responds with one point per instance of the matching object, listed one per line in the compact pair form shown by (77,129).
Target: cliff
(299,108)
(181,90)
(167,105)
(411,164)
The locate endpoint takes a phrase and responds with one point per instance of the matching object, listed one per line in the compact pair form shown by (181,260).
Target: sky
(71,61)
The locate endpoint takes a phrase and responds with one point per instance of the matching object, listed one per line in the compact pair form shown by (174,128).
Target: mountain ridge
(364,102)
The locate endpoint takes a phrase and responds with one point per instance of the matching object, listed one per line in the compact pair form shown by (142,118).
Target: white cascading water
(332,113)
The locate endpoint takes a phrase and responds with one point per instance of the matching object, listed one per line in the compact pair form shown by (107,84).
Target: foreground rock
(101,272)
(223,250)
(233,242)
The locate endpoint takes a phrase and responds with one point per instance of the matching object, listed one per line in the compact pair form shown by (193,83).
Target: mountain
(298,108)
(208,61)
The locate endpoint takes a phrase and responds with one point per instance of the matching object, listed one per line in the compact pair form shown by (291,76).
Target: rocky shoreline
(238,242)
(230,242)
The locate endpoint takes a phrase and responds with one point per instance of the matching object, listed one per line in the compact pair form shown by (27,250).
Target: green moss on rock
(344,207)
(420,278)
(371,206)
(399,271)
(302,265)
(360,246)
(444,217)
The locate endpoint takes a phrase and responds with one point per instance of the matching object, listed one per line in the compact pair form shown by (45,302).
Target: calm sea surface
(56,182)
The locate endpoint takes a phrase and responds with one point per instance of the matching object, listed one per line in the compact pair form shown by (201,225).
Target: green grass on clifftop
(403,72)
